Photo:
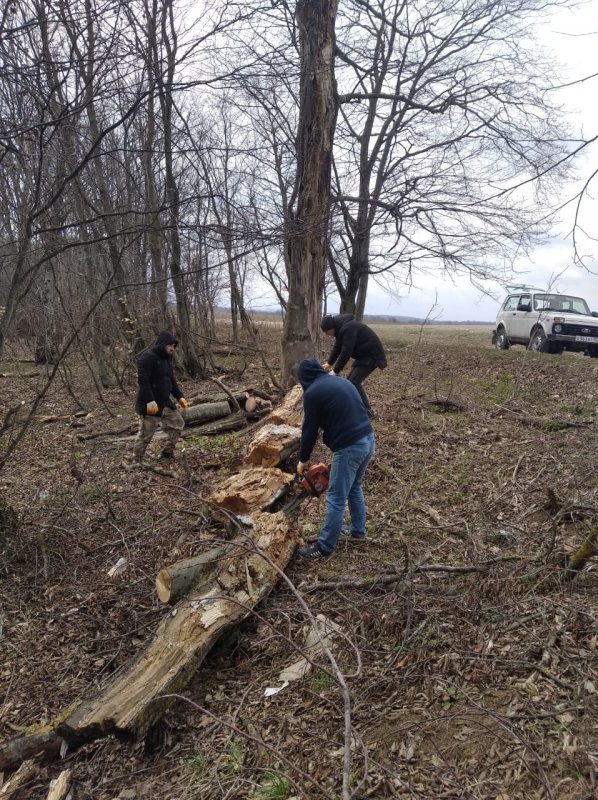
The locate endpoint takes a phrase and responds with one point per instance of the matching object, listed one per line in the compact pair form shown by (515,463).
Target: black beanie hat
(327,322)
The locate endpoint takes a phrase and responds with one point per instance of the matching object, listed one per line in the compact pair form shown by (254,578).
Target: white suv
(546,322)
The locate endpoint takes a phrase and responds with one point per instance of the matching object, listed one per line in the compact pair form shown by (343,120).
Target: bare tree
(442,112)
(307,234)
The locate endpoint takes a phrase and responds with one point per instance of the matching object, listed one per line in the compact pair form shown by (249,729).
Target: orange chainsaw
(313,482)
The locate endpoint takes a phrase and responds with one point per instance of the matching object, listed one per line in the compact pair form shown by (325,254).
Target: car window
(511,303)
(560,302)
(525,299)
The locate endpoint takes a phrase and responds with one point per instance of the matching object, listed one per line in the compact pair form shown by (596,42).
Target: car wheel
(593,352)
(538,342)
(502,340)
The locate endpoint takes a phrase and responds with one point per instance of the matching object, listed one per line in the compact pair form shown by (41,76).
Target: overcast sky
(573,37)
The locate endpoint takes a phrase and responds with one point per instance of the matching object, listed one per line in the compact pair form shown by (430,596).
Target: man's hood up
(339,320)
(164,338)
(308,370)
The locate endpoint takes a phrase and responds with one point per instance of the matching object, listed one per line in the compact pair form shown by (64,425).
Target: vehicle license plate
(586,339)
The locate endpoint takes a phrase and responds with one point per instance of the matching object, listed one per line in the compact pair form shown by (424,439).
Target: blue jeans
(346,478)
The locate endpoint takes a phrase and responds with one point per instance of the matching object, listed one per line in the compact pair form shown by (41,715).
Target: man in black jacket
(333,406)
(353,340)
(155,404)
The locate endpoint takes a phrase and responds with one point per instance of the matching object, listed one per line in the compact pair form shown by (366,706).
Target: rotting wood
(445,403)
(60,786)
(134,699)
(131,702)
(26,771)
(252,488)
(540,422)
(174,581)
(290,411)
(272,445)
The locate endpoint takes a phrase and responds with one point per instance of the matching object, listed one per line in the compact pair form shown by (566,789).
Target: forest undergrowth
(468,654)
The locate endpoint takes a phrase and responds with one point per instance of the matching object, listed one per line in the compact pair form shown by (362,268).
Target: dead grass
(463,684)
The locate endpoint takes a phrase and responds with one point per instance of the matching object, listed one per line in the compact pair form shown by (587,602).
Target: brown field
(470,660)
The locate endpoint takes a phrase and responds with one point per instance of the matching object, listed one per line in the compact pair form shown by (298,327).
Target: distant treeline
(378,319)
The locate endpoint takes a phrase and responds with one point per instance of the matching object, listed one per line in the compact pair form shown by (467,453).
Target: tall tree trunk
(164,75)
(307,235)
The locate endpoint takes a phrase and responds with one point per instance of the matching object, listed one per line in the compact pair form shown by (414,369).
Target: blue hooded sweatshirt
(333,404)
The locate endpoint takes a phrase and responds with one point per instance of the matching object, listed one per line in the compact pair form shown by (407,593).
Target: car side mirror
(524,307)
(595,313)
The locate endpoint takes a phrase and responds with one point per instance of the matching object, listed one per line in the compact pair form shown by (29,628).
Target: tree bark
(307,230)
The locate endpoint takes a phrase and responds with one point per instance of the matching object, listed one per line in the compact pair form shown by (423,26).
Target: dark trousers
(359,372)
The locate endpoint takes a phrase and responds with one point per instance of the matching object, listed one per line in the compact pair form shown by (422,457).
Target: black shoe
(313,551)
(167,455)
(371,413)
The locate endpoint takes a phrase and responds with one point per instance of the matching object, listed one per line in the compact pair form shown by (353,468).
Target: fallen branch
(394,577)
(233,400)
(540,422)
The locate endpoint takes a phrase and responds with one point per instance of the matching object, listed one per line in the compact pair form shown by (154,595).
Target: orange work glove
(326,367)
(183,403)
(152,408)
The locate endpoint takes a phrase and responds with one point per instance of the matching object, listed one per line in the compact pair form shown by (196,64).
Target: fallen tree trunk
(252,488)
(290,411)
(231,423)
(206,412)
(272,445)
(135,698)
(228,582)
(175,581)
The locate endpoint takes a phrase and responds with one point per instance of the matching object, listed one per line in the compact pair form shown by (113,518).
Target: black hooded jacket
(156,376)
(332,404)
(355,340)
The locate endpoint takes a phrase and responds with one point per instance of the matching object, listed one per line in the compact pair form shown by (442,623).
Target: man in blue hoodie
(334,405)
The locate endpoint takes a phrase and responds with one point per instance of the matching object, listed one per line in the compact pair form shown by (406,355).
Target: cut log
(290,411)
(199,399)
(252,489)
(206,412)
(231,423)
(272,445)
(139,694)
(175,581)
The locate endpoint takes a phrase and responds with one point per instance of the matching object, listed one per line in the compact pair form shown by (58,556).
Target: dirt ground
(466,660)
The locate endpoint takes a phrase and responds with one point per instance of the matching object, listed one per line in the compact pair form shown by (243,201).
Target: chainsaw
(313,482)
